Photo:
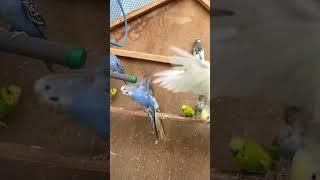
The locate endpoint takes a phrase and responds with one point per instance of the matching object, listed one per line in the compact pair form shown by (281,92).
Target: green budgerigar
(188,110)
(113,92)
(306,163)
(9,98)
(251,156)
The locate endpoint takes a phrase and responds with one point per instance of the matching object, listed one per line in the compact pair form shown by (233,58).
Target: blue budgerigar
(83,95)
(142,93)
(116,66)
(23,17)
(198,51)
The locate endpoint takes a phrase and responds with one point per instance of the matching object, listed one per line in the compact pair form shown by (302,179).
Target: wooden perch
(40,155)
(162,116)
(138,12)
(205,3)
(140,55)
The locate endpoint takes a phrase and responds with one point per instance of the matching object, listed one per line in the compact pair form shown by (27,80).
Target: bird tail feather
(157,124)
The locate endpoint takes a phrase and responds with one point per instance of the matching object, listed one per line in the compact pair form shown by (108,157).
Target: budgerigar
(116,66)
(23,17)
(288,142)
(190,75)
(113,92)
(142,93)
(188,110)
(9,98)
(84,95)
(198,51)
(306,163)
(251,156)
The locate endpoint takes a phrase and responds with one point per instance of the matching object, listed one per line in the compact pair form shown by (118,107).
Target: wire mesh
(128,6)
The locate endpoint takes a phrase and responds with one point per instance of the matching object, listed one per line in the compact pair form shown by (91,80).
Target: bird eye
(47,87)
(314,176)
(243,148)
(55,99)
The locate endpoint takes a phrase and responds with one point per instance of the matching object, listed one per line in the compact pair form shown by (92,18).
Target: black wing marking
(120,66)
(31,9)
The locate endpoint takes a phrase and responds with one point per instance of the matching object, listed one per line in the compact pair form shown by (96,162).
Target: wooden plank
(205,3)
(140,55)
(138,13)
(36,154)
(162,116)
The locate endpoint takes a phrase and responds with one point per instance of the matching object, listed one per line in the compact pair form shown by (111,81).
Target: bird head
(184,107)
(125,90)
(11,94)
(236,145)
(113,91)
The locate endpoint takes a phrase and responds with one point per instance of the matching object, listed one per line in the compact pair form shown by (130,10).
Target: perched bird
(188,110)
(198,51)
(142,93)
(288,142)
(251,156)
(205,115)
(113,92)
(306,163)
(116,66)
(83,95)
(9,98)
(23,17)
(189,75)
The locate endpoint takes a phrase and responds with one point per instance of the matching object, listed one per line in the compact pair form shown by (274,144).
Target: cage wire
(128,7)
(120,8)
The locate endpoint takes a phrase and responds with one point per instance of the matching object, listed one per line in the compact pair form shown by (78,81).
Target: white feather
(192,75)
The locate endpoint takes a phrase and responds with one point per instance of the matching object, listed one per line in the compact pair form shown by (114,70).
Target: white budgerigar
(188,75)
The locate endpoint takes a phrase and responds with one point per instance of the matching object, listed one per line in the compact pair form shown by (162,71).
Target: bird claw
(50,67)
(18,33)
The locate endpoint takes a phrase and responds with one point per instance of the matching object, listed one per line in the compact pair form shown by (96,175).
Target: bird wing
(191,75)
(31,9)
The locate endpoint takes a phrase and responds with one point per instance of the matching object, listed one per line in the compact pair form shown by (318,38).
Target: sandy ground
(77,23)
(187,154)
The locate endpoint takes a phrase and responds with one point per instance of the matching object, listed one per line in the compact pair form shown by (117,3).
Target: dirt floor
(77,23)
(187,154)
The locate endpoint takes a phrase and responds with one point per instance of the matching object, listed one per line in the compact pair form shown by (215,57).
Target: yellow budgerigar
(306,162)
(9,98)
(113,92)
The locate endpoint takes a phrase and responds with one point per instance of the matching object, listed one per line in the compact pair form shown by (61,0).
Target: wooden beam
(36,154)
(205,3)
(140,55)
(162,116)
(138,13)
